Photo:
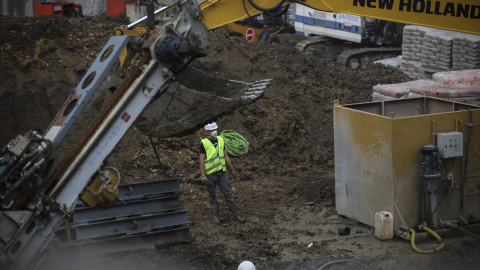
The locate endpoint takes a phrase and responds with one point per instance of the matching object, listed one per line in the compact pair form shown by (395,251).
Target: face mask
(213,133)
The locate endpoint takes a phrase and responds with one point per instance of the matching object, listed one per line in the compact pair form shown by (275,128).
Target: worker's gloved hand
(204,179)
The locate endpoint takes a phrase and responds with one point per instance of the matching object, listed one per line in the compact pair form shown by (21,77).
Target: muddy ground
(285,188)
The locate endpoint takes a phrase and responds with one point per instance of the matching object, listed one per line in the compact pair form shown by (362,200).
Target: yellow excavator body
(455,15)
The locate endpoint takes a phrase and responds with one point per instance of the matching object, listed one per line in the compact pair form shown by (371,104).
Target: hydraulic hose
(235,143)
(271,16)
(412,241)
(266,9)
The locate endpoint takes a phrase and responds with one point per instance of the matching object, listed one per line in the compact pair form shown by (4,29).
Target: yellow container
(377,159)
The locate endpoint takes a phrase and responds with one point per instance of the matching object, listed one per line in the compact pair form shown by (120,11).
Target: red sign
(249,35)
(125,117)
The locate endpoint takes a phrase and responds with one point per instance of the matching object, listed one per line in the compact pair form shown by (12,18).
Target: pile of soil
(285,188)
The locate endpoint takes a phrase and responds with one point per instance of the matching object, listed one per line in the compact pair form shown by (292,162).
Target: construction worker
(213,158)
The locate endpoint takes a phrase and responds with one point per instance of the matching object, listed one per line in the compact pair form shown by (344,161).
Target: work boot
(233,207)
(215,208)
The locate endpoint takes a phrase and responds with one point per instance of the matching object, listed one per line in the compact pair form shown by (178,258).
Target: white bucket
(384,225)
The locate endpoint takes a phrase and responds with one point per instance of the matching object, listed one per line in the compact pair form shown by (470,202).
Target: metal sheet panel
(363,163)
(130,209)
(136,242)
(131,225)
(150,215)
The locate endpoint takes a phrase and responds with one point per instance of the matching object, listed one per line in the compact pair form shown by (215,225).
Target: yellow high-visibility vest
(214,161)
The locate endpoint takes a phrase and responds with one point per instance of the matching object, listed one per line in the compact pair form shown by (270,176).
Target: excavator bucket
(198,99)
(193,99)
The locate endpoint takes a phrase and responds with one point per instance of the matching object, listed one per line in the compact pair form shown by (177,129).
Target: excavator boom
(455,15)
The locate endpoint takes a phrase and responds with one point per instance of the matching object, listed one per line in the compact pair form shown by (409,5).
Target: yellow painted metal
(377,158)
(135,32)
(454,15)
(102,191)
(217,13)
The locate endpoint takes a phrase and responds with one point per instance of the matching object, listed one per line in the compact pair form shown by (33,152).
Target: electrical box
(450,144)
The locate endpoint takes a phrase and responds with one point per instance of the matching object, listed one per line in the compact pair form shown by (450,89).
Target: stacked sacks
(393,91)
(426,51)
(459,86)
(412,45)
(454,77)
(463,93)
(437,50)
(466,52)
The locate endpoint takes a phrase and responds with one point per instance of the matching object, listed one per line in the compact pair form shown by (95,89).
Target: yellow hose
(412,240)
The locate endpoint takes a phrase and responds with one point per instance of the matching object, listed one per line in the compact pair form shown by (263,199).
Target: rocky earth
(285,188)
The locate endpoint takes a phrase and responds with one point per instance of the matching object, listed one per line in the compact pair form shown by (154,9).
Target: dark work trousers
(218,178)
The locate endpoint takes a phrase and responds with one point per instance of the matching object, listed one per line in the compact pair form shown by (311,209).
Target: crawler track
(358,58)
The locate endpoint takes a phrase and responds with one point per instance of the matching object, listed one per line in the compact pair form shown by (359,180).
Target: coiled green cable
(235,143)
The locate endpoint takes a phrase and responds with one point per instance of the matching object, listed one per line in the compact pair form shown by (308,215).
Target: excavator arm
(42,176)
(454,15)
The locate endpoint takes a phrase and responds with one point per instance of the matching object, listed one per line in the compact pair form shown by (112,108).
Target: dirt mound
(286,184)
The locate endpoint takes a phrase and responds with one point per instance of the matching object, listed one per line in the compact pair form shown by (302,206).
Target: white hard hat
(246,265)
(211,126)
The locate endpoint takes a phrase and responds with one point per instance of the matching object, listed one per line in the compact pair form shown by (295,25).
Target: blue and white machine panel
(309,22)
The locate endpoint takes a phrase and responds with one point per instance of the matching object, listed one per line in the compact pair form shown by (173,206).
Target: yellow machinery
(379,161)
(454,15)
(103,190)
